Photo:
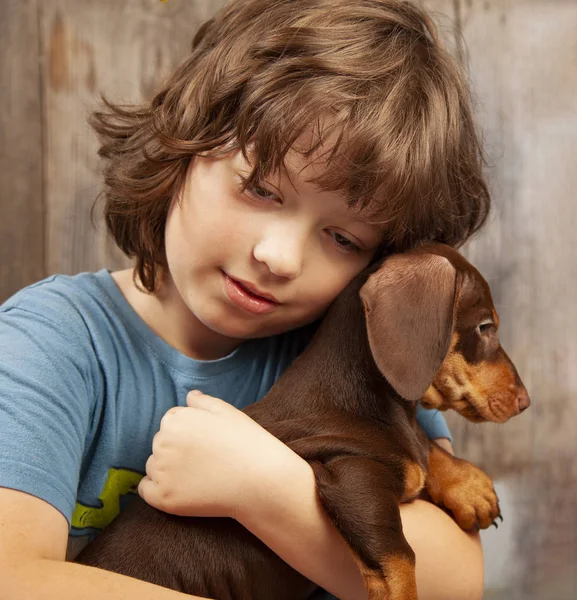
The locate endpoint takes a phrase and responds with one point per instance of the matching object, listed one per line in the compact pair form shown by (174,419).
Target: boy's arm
(32,550)
(445,444)
(307,539)
(211,459)
(309,542)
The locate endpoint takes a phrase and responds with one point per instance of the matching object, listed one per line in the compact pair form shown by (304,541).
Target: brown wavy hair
(263,72)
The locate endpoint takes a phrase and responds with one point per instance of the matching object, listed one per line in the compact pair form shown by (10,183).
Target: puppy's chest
(415,477)
(400,447)
(408,448)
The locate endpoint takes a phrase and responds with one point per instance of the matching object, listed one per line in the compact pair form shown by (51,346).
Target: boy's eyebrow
(352,214)
(292,173)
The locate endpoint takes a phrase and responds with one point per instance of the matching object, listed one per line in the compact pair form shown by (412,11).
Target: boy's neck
(165,313)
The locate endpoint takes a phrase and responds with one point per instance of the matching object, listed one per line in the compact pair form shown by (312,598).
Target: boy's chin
(244,330)
(225,327)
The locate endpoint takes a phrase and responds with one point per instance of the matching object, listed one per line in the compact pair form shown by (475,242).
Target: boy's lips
(247,296)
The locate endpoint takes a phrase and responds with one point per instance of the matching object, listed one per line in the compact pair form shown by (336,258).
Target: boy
(298,142)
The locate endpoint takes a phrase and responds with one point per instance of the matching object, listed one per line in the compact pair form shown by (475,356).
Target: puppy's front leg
(361,497)
(462,488)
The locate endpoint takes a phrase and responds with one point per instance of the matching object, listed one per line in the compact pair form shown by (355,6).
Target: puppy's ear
(409,308)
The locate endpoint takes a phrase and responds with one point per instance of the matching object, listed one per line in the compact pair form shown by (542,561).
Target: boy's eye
(258,191)
(345,243)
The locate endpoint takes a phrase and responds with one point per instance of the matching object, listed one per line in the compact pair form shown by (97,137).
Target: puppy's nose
(523,400)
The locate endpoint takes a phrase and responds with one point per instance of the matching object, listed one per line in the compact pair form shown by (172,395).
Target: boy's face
(264,261)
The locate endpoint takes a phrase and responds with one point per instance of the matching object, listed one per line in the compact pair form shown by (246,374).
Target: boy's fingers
(150,467)
(155,496)
(156,445)
(196,399)
(170,412)
(148,491)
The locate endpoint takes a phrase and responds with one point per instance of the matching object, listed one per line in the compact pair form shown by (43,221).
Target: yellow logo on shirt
(119,482)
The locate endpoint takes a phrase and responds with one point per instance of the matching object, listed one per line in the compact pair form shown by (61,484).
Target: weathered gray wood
(121,49)
(522,57)
(21,205)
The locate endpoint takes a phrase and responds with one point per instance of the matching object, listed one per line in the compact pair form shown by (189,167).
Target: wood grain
(122,50)
(21,179)
(522,58)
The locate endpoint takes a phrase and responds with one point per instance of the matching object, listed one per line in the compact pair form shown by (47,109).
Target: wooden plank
(520,51)
(21,201)
(121,49)
(522,63)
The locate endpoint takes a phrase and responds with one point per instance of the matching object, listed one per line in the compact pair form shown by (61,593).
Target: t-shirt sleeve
(45,401)
(433,422)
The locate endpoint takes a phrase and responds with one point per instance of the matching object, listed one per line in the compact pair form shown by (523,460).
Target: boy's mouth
(247,297)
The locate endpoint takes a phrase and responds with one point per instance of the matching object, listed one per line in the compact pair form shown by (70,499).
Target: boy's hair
(263,72)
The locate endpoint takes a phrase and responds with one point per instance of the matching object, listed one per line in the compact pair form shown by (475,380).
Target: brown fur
(415,477)
(462,488)
(394,580)
(347,406)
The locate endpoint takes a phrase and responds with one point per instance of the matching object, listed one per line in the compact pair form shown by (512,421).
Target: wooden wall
(522,57)
(57,56)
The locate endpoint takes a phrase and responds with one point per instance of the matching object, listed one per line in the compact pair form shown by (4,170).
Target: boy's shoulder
(68,305)
(59,291)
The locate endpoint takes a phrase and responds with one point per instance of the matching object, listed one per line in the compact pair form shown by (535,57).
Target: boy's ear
(409,309)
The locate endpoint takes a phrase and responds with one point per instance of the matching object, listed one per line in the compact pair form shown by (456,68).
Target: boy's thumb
(196,399)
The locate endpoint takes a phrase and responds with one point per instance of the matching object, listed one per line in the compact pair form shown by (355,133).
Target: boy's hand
(209,459)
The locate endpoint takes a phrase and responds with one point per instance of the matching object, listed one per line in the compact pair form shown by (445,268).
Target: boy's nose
(281,252)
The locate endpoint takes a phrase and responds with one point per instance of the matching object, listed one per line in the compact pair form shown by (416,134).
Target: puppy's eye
(486,327)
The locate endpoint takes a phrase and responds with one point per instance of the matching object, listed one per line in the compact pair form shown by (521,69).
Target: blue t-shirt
(84,383)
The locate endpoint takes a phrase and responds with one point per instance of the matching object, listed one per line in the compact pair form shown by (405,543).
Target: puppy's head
(433,333)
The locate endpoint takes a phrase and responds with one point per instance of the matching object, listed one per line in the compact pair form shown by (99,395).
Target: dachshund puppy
(418,326)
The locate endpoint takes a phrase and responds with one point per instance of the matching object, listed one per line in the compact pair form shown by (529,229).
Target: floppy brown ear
(409,308)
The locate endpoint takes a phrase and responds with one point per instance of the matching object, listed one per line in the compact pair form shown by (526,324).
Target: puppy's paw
(468,493)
